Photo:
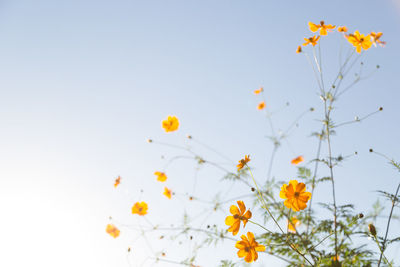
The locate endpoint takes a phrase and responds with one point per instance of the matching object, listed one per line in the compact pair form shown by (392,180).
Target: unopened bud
(372,229)
(360,215)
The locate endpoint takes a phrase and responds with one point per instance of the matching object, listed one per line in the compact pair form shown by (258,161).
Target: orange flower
(170,124)
(238,215)
(243,162)
(248,248)
(140,208)
(312,40)
(167,192)
(258,91)
(162,177)
(360,41)
(342,29)
(112,230)
(295,195)
(322,27)
(298,50)
(292,224)
(261,105)
(297,160)
(117,181)
(336,258)
(375,38)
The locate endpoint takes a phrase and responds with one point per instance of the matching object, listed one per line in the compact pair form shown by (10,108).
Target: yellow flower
(295,195)
(322,27)
(140,208)
(312,40)
(258,91)
(112,230)
(375,38)
(243,162)
(162,177)
(292,224)
(248,248)
(297,160)
(170,124)
(117,181)
(298,50)
(167,192)
(261,105)
(360,41)
(342,29)
(239,214)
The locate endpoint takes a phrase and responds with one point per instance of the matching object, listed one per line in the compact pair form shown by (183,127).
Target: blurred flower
(312,40)
(342,29)
(360,41)
(295,195)
(167,192)
(292,224)
(117,181)
(258,91)
(248,247)
(112,230)
(239,214)
(261,105)
(162,177)
(170,124)
(243,162)
(298,50)
(322,27)
(297,160)
(140,208)
(376,37)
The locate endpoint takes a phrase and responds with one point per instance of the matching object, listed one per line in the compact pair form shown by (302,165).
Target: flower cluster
(358,40)
(248,247)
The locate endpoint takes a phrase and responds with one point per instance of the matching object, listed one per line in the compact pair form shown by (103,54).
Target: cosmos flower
(170,124)
(258,91)
(342,29)
(360,41)
(167,192)
(162,177)
(295,195)
(376,38)
(248,248)
(322,27)
(239,214)
(292,224)
(297,160)
(140,208)
(261,105)
(298,50)
(117,181)
(243,162)
(112,230)
(311,40)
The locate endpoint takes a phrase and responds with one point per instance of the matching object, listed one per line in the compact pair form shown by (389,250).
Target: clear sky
(84,83)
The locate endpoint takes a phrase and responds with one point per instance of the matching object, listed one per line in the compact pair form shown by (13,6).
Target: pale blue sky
(84,83)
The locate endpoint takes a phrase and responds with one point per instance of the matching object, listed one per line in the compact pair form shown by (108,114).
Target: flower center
(236,216)
(296,194)
(140,209)
(247,249)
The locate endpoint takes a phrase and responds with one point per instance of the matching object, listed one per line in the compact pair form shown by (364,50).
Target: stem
(388,224)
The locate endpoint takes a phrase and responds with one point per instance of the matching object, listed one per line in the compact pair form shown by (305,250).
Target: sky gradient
(85,83)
